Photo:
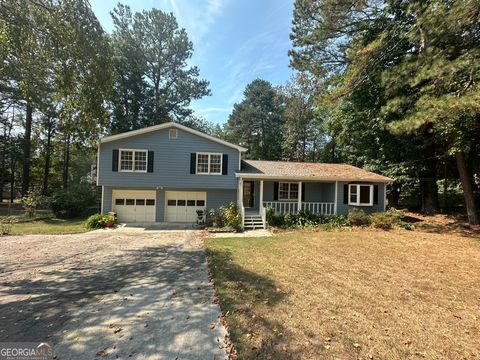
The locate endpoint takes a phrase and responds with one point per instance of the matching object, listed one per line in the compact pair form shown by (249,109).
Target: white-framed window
(360,194)
(172,134)
(132,160)
(288,191)
(209,163)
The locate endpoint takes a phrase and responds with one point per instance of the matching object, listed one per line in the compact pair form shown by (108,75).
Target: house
(165,173)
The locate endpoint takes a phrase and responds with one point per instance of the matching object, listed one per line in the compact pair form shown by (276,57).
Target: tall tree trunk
(465,178)
(27,144)
(428,179)
(46,169)
(66,161)
(12,178)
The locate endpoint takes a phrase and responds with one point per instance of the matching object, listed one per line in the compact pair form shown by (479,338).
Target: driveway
(111,294)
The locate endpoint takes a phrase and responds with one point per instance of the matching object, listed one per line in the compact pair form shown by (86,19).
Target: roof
(306,171)
(166,126)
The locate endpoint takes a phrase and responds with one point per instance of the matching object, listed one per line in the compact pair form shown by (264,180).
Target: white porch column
(240,193)
(336,198)
(261,195)
(299,196)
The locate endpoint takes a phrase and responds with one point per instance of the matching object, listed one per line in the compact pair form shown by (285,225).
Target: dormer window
(172,134)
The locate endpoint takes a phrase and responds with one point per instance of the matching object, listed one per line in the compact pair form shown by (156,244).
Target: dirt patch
(116,294)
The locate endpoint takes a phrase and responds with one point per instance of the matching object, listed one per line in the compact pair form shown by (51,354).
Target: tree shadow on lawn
(70,299)
(240,293)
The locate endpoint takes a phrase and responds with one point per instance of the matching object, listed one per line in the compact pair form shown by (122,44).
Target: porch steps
(252,222)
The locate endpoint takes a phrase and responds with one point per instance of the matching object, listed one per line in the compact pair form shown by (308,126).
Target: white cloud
(197,17)
(211,110)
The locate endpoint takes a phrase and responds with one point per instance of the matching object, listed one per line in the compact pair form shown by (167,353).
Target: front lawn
(49,226)
(351,294)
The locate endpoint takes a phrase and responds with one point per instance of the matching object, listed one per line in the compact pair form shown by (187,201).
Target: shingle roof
(297,170)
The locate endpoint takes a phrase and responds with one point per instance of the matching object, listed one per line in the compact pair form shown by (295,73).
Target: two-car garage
(140,205)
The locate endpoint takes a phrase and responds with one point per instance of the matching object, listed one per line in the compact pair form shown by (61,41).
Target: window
(190,202)
(287,191)
(130,202)
(140,202)
(200,202)
(172,134)
(209,164)
(133,160)
(172,202)
(360,195)
(119,201)
(150,202)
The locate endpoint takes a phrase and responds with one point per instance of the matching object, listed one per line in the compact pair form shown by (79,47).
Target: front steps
(252,222)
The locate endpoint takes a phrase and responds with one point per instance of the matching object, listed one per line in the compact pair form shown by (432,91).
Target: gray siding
(342,209)
(215,198)
(171,162)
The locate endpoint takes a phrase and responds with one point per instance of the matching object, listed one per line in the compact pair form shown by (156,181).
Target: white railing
(282,207)
(263,213)
(291,207)
(319,208)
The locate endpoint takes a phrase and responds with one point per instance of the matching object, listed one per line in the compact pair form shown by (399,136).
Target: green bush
(6,224)
(387,220)
(304,220)
(34,201)
(73,202)
(232,216)
(98,221)
(358,217)
(225,217)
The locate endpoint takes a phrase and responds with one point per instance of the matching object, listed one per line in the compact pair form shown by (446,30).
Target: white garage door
(182,206)
(134,205)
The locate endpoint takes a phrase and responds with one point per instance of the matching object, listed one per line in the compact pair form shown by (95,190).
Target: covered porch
(286,197)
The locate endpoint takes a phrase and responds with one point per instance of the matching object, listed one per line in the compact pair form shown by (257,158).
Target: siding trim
(168,125)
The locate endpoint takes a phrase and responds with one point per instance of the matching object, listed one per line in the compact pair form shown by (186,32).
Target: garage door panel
(182,206)
(134,205)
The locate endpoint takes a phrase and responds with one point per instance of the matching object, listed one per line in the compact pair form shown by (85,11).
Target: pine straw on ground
(351,294)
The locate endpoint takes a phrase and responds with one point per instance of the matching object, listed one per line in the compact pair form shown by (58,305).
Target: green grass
(49,226)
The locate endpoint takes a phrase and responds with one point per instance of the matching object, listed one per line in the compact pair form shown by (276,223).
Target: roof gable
(166,126)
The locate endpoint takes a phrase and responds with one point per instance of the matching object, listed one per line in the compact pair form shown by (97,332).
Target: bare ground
(109,294)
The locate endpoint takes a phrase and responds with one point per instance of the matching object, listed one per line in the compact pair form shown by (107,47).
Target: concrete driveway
(111,294)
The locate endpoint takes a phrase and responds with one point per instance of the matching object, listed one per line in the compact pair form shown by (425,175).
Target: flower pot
(109,223)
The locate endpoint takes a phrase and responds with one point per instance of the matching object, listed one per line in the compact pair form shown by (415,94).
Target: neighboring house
(165,173)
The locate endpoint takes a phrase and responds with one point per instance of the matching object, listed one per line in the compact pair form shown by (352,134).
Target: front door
(248,189)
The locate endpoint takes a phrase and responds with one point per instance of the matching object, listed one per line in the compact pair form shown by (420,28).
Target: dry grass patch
(348,295)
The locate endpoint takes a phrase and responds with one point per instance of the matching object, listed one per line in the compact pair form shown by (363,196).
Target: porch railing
(319,208)
(291,207)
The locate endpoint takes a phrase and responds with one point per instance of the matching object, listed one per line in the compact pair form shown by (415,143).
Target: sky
(235,42)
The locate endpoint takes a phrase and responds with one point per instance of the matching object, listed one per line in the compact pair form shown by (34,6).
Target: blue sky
(235,42)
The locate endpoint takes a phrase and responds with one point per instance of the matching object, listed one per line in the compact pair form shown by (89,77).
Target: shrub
(35,200)
(231,216)
(98,221)
(358,217)
(73,202)
(387,220)
(274,220)
(6,224)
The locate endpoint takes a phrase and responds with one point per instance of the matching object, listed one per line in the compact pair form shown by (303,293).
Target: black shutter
(193,163)
(303,191)
(225,164)
(345,193)
(375,194)
(275,191)
(150,162)
(115,160)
